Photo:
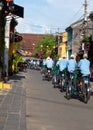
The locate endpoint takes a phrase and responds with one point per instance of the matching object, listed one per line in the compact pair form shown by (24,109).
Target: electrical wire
(51,28)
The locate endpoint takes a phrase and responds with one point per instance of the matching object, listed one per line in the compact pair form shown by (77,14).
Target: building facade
(62,47)
(76,33)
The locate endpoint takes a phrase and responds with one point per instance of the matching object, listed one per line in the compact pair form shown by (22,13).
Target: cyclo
(47,74)
(55,79)
(84,88)
(71,86)
(60,78)
(78,85)
(63,80)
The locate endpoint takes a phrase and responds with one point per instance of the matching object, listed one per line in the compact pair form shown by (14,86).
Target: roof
(29,41)
(77,23)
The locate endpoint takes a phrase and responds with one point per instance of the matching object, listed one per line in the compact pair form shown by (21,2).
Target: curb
(5,85)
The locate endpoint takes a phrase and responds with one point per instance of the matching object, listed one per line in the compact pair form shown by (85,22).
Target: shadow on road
(17,76)
(91,93)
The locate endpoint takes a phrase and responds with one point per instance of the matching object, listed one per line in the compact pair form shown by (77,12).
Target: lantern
(9,1)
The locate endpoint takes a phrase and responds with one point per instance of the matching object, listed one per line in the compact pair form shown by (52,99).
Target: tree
(45,47)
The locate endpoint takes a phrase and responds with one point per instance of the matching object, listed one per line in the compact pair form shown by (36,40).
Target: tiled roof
(29,41)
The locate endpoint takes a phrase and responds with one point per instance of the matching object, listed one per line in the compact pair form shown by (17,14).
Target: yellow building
(62,47)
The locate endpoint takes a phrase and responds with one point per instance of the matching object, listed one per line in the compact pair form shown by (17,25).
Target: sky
(50,16)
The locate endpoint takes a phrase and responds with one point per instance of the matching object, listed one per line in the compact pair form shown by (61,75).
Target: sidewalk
(12,104)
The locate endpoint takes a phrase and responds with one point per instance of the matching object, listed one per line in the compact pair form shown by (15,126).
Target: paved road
(33,104)
(48,109)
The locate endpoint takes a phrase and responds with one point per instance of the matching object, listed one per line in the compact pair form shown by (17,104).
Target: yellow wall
(64,37)
(62,48)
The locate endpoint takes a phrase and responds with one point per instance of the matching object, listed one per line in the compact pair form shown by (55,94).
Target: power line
(49,27)
(79,11)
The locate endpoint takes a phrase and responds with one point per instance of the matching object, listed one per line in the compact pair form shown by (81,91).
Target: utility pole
(58,37)
(85,10)
(85,18)
(85,28)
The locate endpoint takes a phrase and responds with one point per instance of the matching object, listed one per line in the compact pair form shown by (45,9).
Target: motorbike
(48,74)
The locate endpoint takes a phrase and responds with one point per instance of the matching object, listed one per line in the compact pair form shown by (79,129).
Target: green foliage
(87,38)
(45,46)
(14,60)
(17,45)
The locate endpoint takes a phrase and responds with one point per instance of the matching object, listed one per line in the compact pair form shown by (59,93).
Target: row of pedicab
(73,84)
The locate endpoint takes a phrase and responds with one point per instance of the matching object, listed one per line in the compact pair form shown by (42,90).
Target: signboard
(18,10)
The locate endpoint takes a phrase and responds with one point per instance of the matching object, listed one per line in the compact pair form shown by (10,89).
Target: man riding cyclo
(81,67)
(71,66)
(62,64)
(49,66)
(71,69)
(84,67)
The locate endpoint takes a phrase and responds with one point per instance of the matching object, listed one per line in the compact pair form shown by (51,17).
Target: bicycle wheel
(68,90)
(87,93)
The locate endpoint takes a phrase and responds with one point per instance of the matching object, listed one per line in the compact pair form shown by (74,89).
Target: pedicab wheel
(54,85)
(68,92)
(86,95)
(61,88)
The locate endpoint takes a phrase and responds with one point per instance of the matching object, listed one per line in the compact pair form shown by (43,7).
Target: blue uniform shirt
(71,65)
(62,64)
(84,65)
(49,63)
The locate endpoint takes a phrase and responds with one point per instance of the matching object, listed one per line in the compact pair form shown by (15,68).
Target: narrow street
(33,104)
(48,109)
(32,34)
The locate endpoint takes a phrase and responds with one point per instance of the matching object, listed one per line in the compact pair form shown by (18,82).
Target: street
(52,38)
(48,109)
(34,104)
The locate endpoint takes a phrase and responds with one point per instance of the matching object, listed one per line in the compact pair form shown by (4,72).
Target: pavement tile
(12,105)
